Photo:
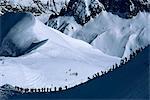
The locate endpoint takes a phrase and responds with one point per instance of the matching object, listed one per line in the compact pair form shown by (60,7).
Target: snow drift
(60,61)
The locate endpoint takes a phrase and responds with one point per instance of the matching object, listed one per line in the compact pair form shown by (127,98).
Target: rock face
(79,11)
(126,8)
(7,91)
(82,10)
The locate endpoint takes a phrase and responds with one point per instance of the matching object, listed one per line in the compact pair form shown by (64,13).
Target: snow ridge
(96,75)
(61,54)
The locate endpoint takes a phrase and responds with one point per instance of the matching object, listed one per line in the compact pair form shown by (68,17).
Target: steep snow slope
(65,24)
(116,36)
(61,61)
(128,81)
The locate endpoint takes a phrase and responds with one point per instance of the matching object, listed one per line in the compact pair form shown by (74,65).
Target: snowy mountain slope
(131,76)
(84,11)
(65,24)
(132,79)
(61,61)
(116,36)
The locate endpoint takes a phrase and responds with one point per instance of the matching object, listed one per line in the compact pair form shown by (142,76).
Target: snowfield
(116,36)
(60,61)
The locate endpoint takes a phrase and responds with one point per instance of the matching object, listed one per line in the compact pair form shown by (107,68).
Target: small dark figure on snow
(55,89)
(89,78)
(60,88)
(122,62)
(131,56)
(66,87)
(116,65)
(98,74)
(126,59)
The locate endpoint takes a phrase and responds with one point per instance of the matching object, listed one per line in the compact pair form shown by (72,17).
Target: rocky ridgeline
(37,7)
(81,10)
(8,7)
(126,8)
(84,10)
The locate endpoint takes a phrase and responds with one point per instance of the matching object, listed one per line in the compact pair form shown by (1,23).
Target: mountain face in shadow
(130,81)
(16,37)
(126,8)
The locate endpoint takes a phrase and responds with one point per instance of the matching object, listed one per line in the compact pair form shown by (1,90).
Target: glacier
(116,36)
(59,62)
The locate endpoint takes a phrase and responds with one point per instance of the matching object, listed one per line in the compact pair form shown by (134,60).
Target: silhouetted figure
(98,74)
(126,59)
(116,65)
(39,90)
(44,90)
(35,90)
(50,89)
(94,76)
(136,51)
(47,89)
(122,62)
(21,89)
(60,88)
(66,87)
(133,54)
(89,78)
(130,56)
(111,69)
(26,90)
(31,90)
(17,88)
(102,72)
(55,89)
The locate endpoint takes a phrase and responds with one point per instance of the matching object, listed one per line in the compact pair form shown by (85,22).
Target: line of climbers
(36,90)
(98,74)
(122,62)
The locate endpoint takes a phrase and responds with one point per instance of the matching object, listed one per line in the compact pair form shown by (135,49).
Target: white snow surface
(61,61)
(59,22)
(116,36)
